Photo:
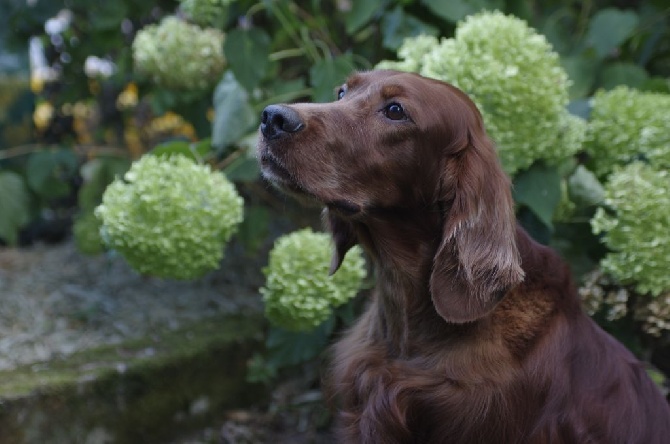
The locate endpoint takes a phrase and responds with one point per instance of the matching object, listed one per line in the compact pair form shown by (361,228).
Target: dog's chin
(279,177)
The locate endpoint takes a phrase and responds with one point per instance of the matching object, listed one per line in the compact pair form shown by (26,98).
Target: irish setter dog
(474,333)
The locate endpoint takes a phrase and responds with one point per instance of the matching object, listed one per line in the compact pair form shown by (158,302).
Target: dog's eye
(394,111)
(340,93)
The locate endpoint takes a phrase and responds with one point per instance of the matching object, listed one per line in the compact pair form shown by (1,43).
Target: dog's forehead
(388,83)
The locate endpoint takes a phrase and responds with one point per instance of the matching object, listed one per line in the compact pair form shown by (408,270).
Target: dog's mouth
(274,171)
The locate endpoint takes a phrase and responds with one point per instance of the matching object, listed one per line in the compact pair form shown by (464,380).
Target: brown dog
(475,333)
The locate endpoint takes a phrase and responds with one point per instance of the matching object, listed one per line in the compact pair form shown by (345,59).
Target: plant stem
(88,150)
(287,53)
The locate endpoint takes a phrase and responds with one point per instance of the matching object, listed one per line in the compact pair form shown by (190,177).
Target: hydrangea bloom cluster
(627,125)
(411,54)
(601,293)
(654,314)
(178,55)
(634,223)
(170,217)
(206,12)
(299,294)
(515,78)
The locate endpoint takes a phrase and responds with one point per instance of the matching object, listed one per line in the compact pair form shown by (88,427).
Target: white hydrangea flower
(515,78)
(627,125)
(178,55)
(299,294)
(654,314)
(206,12)
(634,222)
(170,217)
(411,54)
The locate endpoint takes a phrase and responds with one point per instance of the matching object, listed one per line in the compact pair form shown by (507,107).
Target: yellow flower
(82,110)
(36,83)
(128,97)
(171,123)
(133,141)
(82,129)
(43,114)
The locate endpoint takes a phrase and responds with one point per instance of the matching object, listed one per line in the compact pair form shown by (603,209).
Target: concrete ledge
(143,391)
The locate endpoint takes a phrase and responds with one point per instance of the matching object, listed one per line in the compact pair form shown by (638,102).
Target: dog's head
(397,140)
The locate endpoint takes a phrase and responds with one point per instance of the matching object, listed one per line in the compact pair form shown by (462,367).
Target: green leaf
(48,172)
(537,229)
(580,108)
(361,12)
(284,91)
(242,169)
(584,188)
(520,8)
(291,348)
(556,27)
(326,74)
(284,87)
(254,229)
(656,84)
(348,312)
(455,10)
(623,73)
(582,71)
(233,114)
(397,26)
(539,188)
(609,28)
(247,52)
(163,100)
(106,15)
(577,244)
(14,206)
(86,233)
(97,174)
(193,150)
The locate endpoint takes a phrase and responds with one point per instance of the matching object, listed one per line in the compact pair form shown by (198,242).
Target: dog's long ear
(344,237)
(477,261)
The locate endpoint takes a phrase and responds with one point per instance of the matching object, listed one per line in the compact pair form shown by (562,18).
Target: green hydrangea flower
(635,223)
(170,217)
(411,54)
(206,12)
(515,78)
(298,293)
(178,55)
(628,125)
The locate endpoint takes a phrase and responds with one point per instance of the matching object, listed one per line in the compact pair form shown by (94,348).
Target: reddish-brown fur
(474,333)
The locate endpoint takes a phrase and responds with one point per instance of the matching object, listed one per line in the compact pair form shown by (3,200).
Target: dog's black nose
(279,120)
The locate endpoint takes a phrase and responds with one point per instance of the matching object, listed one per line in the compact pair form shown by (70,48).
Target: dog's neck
(402,251)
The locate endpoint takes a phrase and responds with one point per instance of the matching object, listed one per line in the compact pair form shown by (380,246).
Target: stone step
(148,390)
